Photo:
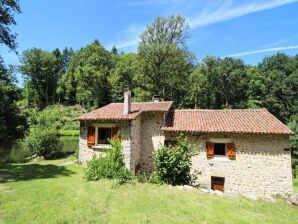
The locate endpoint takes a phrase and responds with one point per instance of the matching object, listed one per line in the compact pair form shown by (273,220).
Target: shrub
(172,164)
(110,166)
(42,142)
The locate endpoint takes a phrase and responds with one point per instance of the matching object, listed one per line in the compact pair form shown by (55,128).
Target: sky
(246,29)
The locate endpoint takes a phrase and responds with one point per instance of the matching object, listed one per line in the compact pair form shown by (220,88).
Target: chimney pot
(156,98)
(127,101)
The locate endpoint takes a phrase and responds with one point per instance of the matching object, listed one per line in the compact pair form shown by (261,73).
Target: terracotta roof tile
(225,121)
(114,111)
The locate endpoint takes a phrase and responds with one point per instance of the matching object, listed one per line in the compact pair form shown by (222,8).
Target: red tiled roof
(258,121)
(114,111)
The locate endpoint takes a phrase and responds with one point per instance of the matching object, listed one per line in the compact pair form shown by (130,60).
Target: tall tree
(39,67)
(7,10)
(281,85)
(218,83)
(10,121)
(165,58)
(86,80)
(126,69)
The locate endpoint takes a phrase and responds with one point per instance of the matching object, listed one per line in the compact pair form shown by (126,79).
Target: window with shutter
(104,135)
(115,132)
(231,150)
(91,136)
(210,150)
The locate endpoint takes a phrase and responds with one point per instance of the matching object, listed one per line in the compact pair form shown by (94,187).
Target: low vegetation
(110,166)
(52,192)
(172,163)
(42,139)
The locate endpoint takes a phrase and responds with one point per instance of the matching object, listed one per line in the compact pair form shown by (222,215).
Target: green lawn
(54,192)
(295,184)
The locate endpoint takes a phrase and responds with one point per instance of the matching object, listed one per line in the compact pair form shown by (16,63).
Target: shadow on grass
(23,172)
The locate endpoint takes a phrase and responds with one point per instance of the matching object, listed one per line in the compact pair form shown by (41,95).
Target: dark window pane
(104,134)
(170,143)
(219,149)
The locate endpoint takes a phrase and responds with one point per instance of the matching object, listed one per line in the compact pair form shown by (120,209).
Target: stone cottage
(243,151)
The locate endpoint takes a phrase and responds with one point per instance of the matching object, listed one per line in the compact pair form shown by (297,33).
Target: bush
(172,164)
(42,142)
(110,166)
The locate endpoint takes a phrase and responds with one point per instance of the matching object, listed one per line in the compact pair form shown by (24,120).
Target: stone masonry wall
(261,168)
(151,138)
(86,153)
(136,145)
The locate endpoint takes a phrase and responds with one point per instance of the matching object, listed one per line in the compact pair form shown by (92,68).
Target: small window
(169,143)
(218,183)
(104,135)
(219,149)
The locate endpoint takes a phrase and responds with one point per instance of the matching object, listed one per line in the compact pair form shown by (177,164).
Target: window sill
(221,158)
(102,146)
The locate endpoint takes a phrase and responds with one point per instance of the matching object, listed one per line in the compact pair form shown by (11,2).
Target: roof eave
(226,132)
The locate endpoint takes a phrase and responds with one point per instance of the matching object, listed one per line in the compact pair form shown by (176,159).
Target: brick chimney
(127,101)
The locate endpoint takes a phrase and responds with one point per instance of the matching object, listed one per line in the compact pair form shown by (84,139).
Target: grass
(55,192)
(295,185)
(69,132)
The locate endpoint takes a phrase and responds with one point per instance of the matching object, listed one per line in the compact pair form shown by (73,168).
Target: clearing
(55,192)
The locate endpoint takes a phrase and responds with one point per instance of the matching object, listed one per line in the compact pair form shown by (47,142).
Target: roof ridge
(143,102)
(245,109)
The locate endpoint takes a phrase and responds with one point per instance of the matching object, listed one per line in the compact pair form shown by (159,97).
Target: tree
(293,124)
(126,69)
(39,67)
(86,80)
(11,122)
(165,58)
(281,85)
(232,88)
(218,83)
(7,10)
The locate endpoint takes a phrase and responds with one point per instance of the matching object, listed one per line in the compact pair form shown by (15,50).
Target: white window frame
(221,141)
(220,156)
(102,125)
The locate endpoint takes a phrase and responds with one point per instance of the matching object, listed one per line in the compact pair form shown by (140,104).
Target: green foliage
(7,10)
(58,117)
(218,83)
(127,68)
(293,124)
(46,126)
(110,166)
(172,164)
(86,80)
(281,85)
(39,68)
(12,123)
(166,61)
(42,142)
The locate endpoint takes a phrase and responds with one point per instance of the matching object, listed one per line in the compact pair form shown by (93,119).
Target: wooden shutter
(231,150)
(91,136)
(209,150)
(115,132)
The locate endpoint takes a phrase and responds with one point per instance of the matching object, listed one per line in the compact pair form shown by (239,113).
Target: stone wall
(86,153)
(125,130)
(152,138)
(136,145)
(262,167)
